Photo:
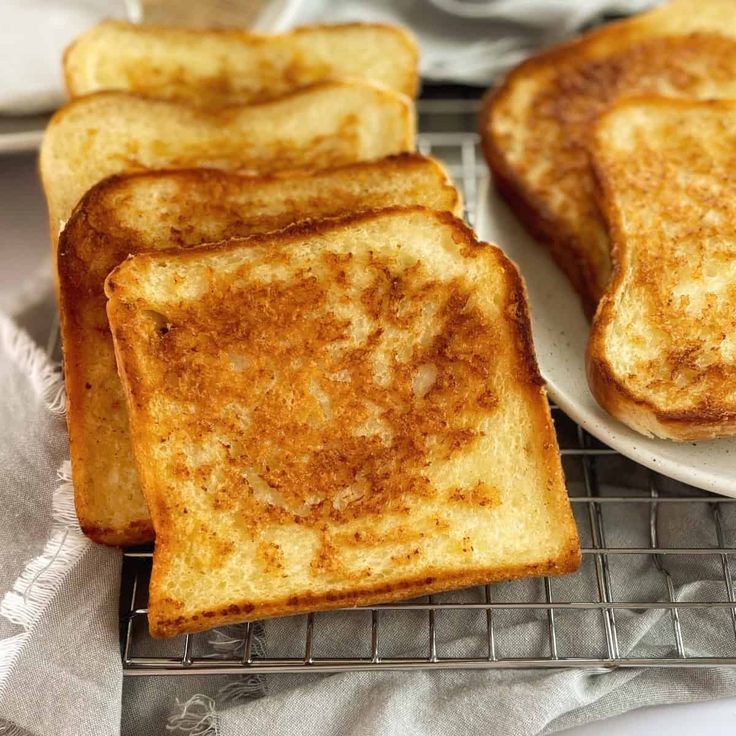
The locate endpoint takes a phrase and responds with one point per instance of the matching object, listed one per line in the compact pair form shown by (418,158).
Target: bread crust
(164,623)
(531,210)
(641,414)
(137,532)
(564,245)
(165,617)
(609,389)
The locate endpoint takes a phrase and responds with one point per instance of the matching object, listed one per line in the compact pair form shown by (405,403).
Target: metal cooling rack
(582,620)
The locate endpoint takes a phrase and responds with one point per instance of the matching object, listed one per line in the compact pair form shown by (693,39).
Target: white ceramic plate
(560,335)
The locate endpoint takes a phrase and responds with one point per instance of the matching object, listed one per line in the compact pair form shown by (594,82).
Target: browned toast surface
(342,413)
(327,124)
(211,67)
(134,213)
(662,351)
(536,125)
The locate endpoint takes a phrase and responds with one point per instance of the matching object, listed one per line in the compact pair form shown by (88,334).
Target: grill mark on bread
(221,88)
(481,494)
(321,151)
(271,558)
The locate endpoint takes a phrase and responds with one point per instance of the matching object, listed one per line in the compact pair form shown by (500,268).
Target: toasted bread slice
(225,67)
(342,413)
(134,213)
(662,352)
(536,125)
(328,124)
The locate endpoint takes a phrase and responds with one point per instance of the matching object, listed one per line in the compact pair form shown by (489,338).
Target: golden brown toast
(134,213)
(328,124)
(662,352)
(536,126)
(343,413)
(225,67)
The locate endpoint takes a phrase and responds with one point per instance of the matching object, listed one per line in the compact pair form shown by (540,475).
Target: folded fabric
(59,659)
(471,42)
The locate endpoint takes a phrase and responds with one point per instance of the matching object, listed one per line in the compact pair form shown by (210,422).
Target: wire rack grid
(590,619)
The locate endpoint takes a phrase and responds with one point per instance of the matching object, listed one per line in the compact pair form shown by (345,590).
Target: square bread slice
(134,213)
(328,124)
(537,124)
(212,67)
(662,351)
(342,413)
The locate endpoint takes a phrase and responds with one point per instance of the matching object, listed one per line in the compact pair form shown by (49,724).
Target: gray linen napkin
(59,662)
(470,42)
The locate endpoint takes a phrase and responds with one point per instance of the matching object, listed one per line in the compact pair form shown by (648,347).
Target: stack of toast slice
(329,392)
(135,213)
(537,124)
(297,128)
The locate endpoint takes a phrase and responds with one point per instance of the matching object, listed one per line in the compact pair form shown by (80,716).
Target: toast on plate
(662,351)
(133,213)
(225,67)
(328,124)
(341,413)
(536,125)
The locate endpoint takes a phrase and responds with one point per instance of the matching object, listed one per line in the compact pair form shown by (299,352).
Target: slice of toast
(328,124)
(662,352)
(225,67)
(134,213)
(536,125)
(342,413)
